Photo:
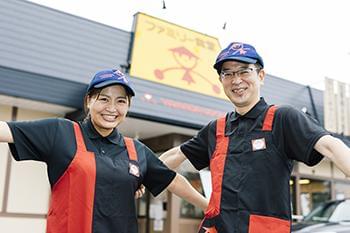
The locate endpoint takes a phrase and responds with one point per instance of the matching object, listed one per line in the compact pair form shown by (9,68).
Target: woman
(93,170)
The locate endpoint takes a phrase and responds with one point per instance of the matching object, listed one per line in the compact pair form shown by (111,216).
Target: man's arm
(335,150)
(182,188)
(5,133)
(173,157)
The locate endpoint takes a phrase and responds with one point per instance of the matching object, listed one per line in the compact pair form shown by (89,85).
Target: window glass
(342,190)
(188,210)
(313,193)
(292,194)
(335,211)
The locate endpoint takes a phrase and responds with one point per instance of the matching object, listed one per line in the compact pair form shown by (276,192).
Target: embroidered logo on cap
(235,49)
(120,75)
(134,170)
(238,48)
(258,144)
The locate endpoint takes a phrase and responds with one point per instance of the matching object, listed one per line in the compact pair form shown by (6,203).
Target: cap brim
(240,59)
(115,82)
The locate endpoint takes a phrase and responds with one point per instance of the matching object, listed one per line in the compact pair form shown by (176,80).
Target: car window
(330,212)
(322,213)
(341,213)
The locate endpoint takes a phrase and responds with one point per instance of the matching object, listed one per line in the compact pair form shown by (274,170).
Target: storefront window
(313,193)
(342,190)
(292,194)
(152,212)
(141,205)
(188,210)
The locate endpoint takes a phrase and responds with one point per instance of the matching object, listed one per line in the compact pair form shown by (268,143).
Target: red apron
(72,197)
(211,221)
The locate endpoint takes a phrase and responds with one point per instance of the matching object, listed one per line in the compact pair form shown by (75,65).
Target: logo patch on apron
(210,230)
(134,170)
(258,144)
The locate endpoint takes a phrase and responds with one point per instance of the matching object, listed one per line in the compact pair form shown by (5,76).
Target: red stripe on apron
(72,198)
(268,121)
(217,164)
(130,147)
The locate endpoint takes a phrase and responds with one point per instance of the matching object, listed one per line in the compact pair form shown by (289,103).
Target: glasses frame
(229,74)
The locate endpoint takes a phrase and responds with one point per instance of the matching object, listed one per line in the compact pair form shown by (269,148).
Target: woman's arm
(5,133)
(182,188)
(335,150)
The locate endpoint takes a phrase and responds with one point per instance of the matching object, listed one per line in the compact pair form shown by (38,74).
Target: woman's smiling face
(108,108)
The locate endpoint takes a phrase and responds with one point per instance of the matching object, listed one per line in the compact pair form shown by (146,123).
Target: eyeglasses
(242,73)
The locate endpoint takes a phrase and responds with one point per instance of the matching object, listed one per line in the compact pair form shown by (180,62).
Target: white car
(329,217)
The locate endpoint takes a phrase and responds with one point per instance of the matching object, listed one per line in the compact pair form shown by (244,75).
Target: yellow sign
(176,56)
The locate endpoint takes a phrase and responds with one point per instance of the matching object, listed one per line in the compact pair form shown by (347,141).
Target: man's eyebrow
(237,68)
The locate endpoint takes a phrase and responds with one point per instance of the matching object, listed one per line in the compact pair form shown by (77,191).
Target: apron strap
(217,164)
(79,137)
(130,147)
(268,121)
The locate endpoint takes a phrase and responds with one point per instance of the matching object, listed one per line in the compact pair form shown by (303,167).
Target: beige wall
(3,163)
(22,225)
(5,114)
(325,169)
(322,169)
(28,188)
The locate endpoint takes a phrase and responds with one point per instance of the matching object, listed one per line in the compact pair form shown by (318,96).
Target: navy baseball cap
(109,77)
(237,51)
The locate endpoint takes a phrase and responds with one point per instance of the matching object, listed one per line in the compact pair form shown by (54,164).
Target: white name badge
(258,144)
(134,170)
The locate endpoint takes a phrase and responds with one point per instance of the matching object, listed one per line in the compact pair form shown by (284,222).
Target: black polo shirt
(255,182)
(294,134)
(53,141)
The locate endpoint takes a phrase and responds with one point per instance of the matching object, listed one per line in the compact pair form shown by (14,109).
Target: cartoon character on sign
(187,61)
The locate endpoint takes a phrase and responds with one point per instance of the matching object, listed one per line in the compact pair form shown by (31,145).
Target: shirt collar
(92,133)
(252,113)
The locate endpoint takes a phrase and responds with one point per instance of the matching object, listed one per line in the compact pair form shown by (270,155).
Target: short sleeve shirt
(53,141)
(294,133)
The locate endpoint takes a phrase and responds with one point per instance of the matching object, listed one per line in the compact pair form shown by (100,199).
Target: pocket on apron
(267,224)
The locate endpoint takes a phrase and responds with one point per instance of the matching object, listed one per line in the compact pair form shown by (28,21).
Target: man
(251,151)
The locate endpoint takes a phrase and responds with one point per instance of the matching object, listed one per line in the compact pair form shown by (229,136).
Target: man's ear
(261,75)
